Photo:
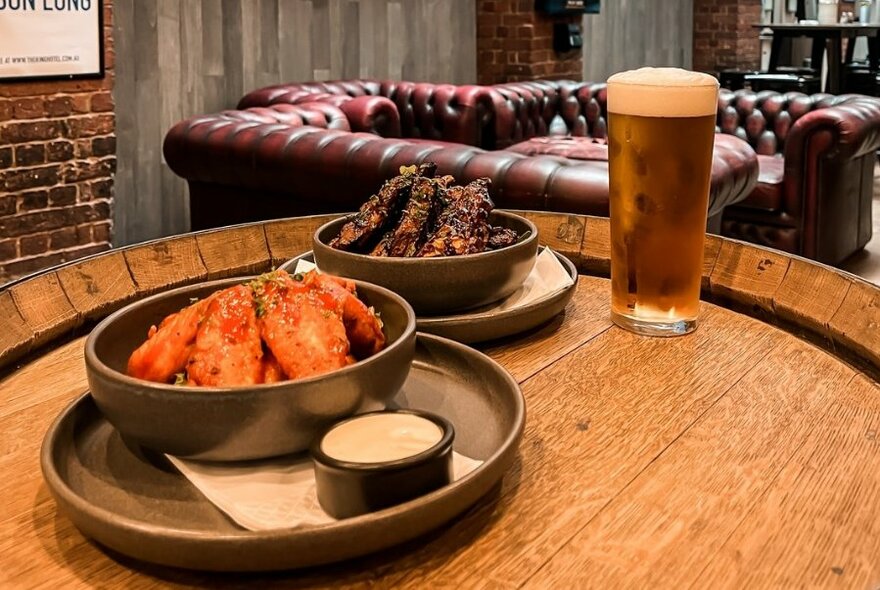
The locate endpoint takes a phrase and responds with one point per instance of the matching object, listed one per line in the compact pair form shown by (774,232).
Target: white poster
(50,38)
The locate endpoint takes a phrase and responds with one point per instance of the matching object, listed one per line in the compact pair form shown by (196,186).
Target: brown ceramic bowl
(435,286)
(238,423)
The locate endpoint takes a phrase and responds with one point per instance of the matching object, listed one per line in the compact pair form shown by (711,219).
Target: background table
(746,454)
(826,38)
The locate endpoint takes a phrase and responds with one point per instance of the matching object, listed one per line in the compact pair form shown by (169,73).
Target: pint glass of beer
(661,126)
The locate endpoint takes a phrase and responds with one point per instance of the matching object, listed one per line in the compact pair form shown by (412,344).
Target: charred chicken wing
(380,210)
(463,228)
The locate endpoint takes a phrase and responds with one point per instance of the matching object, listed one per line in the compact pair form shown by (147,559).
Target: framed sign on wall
(51,39)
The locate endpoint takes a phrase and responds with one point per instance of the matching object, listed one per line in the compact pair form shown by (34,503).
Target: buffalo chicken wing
(273,328)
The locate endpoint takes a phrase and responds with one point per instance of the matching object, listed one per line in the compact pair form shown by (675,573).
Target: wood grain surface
(738,456)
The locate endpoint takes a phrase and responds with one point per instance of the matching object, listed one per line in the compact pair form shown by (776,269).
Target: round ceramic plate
(137,504)
(475,326)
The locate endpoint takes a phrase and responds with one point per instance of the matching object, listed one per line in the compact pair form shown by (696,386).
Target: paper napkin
(547,278)
(272,494)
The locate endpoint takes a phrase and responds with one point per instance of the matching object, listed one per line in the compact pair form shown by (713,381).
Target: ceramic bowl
(345,489)
(238,423)
(438,286)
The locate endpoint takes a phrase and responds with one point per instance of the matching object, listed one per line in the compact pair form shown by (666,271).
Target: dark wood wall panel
(178,58)
(633,33)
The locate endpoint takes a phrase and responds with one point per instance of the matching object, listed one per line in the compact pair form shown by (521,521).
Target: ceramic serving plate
(475,326)
(134,502)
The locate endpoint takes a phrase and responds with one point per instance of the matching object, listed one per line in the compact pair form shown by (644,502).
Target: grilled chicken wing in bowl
(441,246)
(248,368)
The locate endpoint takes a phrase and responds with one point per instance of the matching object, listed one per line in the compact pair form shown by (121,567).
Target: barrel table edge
(832,308)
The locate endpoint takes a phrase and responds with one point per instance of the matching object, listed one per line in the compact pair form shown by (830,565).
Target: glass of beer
(661,127)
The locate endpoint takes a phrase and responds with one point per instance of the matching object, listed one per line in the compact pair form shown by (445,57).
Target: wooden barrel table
(744,455)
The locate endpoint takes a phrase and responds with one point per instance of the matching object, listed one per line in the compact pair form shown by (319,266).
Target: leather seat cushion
(575,148)
(768,193)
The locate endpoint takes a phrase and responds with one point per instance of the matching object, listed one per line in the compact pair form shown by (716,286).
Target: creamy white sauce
(377,438)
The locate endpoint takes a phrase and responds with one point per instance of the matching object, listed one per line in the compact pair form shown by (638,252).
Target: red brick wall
(723,34)
(515,43)
(57,160)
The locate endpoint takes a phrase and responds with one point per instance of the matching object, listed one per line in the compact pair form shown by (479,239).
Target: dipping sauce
(381,437)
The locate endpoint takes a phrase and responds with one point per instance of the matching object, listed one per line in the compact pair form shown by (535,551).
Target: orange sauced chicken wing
(273,328)
(227,349)
(303,330)
(272,372)
(361,324)
(168,347)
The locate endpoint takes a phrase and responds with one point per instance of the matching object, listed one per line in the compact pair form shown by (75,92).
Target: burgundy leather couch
(816,153)
(325,147)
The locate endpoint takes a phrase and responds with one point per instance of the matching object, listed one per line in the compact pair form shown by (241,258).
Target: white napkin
(547,278)
(272,494)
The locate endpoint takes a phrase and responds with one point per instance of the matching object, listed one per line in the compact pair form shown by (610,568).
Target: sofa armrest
(201,147)
(295,92)
(372,114)
(734,172)
(849,125)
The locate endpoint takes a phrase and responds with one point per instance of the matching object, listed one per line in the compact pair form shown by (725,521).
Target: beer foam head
(662,92)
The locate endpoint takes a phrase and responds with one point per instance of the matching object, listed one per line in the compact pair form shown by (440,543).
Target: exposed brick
(5,157)
(101,102)
(101,189)
(8,249)
(85,170)
(104,146)
(17,180)
(97,211)
(82,149)
(49,219)
(62,196)
(723,34)
(33,200)
(8,205)
(59,151)
(66,237)
(59,106)
(89,126)
(32,245)
(83,233)
(31,131)
(101,232)
(17,268)
(81,104)
(29,108)
(30,154)
(514,42)
(69,124)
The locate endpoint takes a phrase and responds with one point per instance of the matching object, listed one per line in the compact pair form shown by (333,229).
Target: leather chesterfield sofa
(312,151)
(815,154)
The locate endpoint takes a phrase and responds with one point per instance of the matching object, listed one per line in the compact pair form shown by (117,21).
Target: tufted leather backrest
(424,110)
(316,114)
(765,119)
(291,93)
(535,109)
(592,98)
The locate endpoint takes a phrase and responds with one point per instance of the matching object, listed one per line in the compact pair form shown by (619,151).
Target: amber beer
(661,125)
